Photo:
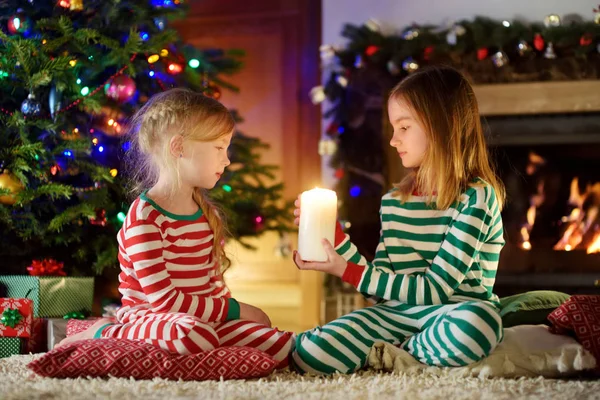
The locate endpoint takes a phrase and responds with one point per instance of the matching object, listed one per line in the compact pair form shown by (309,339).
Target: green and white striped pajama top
(432,278)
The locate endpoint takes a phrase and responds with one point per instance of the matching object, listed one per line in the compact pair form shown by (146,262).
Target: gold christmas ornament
(373,25)
(327,147)
(8,181)
(552,20)
(76,5)
(317,95)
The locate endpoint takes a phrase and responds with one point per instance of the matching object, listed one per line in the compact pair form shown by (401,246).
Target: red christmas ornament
(538,42)
(586,40)
(427,52)
(482,53)
(332,128)
(121,88)
(339,173)
(46,267)
(100,218)
(371,50)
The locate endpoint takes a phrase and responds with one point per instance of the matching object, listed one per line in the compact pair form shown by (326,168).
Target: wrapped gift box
(53,296)
(21,310)
(9,346)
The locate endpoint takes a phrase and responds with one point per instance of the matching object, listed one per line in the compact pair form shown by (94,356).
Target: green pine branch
(80,210)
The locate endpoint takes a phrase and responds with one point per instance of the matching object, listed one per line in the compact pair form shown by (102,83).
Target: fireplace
(550,165)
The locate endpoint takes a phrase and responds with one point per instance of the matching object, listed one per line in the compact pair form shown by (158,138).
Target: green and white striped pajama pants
(441,335)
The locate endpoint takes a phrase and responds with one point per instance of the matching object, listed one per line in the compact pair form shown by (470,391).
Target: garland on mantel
(486,50)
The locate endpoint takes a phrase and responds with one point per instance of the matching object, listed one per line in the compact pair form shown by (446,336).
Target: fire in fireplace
(581,227)
(550,165)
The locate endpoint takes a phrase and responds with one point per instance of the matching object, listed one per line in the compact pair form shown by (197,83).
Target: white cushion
(527,350)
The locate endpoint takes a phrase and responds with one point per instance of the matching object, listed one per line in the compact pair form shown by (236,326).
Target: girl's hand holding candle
(317,211)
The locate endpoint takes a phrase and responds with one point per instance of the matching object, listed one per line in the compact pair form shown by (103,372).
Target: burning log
(582,225)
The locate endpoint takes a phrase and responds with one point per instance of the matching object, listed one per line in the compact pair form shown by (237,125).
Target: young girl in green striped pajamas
(441,235)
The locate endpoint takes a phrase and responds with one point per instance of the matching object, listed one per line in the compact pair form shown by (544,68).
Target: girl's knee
(482,324)
(195,335)
(480,314)
(315,353)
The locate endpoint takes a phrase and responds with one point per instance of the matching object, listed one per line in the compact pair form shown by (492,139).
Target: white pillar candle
(318,209)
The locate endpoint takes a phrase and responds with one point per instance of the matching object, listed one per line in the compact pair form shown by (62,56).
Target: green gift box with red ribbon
(16,317)
(53,296)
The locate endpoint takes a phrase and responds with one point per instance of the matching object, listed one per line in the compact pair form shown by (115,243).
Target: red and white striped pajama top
(172,293)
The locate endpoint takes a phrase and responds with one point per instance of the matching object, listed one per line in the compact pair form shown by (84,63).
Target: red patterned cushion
(127,358)
(75,326)
(580,315)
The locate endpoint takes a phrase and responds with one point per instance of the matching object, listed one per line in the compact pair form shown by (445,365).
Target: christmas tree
(71,73)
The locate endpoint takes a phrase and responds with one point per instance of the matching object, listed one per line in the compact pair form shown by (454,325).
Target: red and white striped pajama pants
(185,334)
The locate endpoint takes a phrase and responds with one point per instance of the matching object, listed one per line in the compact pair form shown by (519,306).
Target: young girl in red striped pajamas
(171,243)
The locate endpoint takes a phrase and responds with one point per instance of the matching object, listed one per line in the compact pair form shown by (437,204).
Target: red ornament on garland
(538,42)
(427,53)
(339,173)
(46,267)
(332,128)
(586,39)
(100,218)
(482,53)
(121,88)
(371,50)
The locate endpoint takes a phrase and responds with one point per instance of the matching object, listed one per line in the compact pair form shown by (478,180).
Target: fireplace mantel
(538,98)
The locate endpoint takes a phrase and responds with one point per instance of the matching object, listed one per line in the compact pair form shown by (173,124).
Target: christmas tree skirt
(20,383)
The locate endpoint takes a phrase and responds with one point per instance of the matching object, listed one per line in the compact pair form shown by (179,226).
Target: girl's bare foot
(89,333)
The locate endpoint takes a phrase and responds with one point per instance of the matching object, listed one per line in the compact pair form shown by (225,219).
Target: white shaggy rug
(17,382)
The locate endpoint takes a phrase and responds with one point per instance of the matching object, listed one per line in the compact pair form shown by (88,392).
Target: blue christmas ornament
(160,23)
(31,107)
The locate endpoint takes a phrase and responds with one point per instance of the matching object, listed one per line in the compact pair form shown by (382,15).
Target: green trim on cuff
(234,309)
(98,334)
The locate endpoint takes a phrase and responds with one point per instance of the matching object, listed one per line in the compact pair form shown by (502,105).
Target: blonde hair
(193,116)
(444,103)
